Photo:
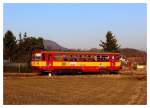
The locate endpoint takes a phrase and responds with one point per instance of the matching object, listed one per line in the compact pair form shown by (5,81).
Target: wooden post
(19,67)
(50,74)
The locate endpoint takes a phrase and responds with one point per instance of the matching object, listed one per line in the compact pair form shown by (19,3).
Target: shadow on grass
(70,73)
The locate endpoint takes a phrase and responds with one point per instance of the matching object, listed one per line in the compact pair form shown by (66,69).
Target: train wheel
(79,72)
(43,73)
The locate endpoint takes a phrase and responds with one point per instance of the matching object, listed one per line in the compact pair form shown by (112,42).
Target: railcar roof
(67,52)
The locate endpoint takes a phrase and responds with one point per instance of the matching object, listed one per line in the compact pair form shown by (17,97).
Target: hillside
(128,52)
(51,45)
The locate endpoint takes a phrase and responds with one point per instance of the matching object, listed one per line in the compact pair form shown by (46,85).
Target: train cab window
(37,56)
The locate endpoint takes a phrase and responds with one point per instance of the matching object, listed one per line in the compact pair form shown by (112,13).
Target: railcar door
(115,63)
(49,61)
(112,62)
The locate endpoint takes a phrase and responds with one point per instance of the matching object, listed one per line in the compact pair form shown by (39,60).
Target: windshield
(37,56)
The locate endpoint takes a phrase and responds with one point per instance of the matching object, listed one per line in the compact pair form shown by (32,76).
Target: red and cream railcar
(50,61)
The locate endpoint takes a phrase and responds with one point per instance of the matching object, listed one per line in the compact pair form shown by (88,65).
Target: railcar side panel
(47,62)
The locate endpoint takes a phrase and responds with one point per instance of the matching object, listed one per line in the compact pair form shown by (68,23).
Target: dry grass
(79,89)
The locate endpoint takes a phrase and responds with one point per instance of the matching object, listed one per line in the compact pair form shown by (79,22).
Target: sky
(79,25)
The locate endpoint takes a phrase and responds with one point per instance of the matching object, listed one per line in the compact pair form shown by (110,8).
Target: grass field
(78,89)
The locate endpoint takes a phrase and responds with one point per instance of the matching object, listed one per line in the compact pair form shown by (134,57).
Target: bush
(17,69)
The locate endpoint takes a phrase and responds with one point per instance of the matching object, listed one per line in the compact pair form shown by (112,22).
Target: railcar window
(75,58)
(92,58)
(89,58)
(84,58)
(80,58)
(105,58)
(65,58)
(95,58)
(58,57)
(70,58)
(98,58)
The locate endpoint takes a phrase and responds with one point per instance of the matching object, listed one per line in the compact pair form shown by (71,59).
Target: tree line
(20,50)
